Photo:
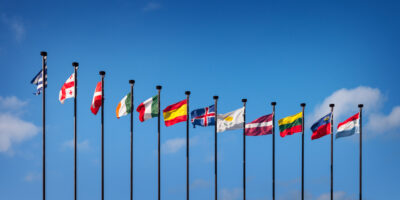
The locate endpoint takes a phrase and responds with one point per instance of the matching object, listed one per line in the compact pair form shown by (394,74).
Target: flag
(124,106)
(203,116)
(175,113)
(38,80)
(322,127)
(97,97)
(349,127)
(148,109)
(68,89)
(291,124)
(260,126)
(230,121)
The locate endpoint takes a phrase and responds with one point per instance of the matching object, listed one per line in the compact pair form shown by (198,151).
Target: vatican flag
(230,121)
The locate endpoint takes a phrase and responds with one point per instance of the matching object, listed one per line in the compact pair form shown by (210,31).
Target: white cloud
(379,123)
(340,195)
(199,183)
(84,145)
(11,103)
(151,6)
(174,145)
(295,194)
(231,194)
(16,25)
(32,176)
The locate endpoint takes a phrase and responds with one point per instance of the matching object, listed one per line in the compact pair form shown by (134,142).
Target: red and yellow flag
(175,113)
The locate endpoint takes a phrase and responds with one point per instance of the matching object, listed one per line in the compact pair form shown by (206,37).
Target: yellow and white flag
(230,121)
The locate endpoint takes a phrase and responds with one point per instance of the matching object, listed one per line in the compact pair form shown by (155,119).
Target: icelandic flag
(322,127)
(38,80)
(203,116)
(349,127)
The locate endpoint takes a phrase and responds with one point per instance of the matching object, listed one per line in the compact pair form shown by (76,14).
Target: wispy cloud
(84,145)
(339,195)
(16,25)
(32,176)
(231,194)
(199,184)
(151,6)
(174,145)
(380,123)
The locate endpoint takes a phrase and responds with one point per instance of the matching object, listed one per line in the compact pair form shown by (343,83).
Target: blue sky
(316,52)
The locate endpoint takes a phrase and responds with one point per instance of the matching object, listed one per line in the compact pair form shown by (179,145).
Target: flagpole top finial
(43,53)
(244,100)
(158,87)
(360,105)
(187,92)
(75,64)
(102,73)
(132,82)
(273,103)
(332,105)
(303,104)
(215,97)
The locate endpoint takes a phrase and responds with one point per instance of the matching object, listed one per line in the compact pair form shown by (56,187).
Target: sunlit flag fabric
(322,127)
(203,116)
(290,125)
(175,113)
(68,89)
(349,127)
(124,106)
(97,97)
(260,126)
(38,80)
(230,121)
(148,109)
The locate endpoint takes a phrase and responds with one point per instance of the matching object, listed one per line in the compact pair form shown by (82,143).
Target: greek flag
(38,80)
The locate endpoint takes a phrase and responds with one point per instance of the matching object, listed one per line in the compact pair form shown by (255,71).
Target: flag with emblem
(97,99)
(230,121)
(322,127)
(175,113)
(68,89)
(203,116)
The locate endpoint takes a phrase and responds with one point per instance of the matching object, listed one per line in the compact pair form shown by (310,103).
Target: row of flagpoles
(179,112)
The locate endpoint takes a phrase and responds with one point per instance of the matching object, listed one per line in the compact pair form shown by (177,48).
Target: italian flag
(148,109)
(124,106)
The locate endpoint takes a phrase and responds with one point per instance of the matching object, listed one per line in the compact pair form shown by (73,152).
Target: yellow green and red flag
(175,113)
(291,124)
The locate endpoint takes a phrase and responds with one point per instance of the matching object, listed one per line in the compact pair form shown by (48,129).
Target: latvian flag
(349,127)
(148,109)
(260,126)
(97,98)
(68,89)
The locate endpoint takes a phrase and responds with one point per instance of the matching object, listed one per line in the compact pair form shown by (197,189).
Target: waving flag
(260,126)
(97,97)
(349,126)
(203,116)
(124,106)
(175,113)
(322,127)
(290,125)
(38,80)
(148,109)
(230,121)
(68,89)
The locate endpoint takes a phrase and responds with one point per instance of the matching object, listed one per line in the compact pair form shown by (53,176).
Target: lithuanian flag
(175,113)
(291,124)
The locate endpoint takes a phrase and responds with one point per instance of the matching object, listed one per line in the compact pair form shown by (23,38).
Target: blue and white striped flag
(38,80)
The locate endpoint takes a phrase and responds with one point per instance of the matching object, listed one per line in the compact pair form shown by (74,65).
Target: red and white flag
(96,102)
(260,126)
(68,89)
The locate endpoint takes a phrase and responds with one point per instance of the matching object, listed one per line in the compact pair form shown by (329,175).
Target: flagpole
(102,74)
(44,80)
(215,150)
(331,105)
(158,87)
(75,65)
(244,149)
(131,82)
(187,145)
(273,150)
(303,105)
(360,106)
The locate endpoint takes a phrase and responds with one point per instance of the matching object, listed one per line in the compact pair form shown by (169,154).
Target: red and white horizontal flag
(97,97)
(260,126)
(68,89)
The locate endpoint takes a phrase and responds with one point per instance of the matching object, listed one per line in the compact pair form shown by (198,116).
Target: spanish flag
(291,124)
(175,113)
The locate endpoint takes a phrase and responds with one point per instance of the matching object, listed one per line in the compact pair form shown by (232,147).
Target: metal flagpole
(273,150)
(75,65)
(360,106)
(302,151)
(187,145)
(44,82)
(131,82)
(158,87)
(244,149)
(215,150)
(331,105)
(102,73)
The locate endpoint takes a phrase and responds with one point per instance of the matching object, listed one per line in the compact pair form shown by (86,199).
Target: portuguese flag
(148,109)
(291,124)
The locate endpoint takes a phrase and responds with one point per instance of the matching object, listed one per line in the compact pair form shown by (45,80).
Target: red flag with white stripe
(96,102)
(260,126)
(68,89)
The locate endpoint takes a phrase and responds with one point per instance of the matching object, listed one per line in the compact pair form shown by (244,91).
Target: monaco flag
(68,89)
(96,102)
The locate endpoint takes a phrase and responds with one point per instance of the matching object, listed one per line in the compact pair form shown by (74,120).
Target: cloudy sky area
(318,53)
